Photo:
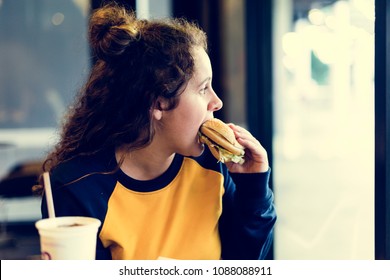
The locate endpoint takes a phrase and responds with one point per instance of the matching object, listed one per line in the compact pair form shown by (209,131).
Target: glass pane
(44,58)
(232,36)
(324,129)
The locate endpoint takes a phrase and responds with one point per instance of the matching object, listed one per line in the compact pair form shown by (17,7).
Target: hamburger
(220,139)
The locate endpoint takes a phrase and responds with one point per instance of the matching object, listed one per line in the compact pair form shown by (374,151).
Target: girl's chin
(198,151)
(201,150)
(194,149)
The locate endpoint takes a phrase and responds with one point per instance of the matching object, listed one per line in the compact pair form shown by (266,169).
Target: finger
(234,127)
(247,137)
(240,131)
(251,144)
(243,136)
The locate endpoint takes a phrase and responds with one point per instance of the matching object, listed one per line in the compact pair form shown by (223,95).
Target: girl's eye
(203,90)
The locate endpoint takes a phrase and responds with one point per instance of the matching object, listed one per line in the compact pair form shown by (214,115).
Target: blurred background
(299,74)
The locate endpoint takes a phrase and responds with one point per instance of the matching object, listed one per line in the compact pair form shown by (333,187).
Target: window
(44,58)
(324,129)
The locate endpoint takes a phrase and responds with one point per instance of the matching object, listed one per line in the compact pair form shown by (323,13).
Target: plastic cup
(68,238)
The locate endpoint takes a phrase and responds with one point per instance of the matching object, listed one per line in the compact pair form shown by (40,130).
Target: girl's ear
(157,113)
(158,109)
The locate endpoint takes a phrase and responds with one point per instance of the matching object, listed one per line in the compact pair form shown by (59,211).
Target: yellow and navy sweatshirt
(195,210)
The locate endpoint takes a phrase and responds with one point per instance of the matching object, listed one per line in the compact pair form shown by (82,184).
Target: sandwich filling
(220,153)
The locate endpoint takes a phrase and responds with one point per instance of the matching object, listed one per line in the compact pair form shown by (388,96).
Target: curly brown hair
(137,62)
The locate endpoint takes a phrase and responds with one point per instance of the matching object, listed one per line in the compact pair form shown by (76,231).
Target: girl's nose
(215,104)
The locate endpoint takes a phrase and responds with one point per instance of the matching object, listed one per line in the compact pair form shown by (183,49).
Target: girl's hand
(256,158)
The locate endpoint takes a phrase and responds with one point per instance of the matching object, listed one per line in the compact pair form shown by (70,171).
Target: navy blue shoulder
(83,185)
(84,166)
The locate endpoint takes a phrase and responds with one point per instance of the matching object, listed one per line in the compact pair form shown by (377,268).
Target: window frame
(382,130)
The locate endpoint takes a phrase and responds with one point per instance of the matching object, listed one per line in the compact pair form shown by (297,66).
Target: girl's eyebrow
(205,80)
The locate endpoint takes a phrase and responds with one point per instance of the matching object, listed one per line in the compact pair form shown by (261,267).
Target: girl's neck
(144,164)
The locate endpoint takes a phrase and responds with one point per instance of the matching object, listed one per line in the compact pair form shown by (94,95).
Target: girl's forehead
(202,67)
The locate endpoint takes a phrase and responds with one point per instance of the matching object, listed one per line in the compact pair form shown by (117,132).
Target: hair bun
(111,30)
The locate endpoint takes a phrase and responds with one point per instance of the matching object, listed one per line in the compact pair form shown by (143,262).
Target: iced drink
(68,238)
